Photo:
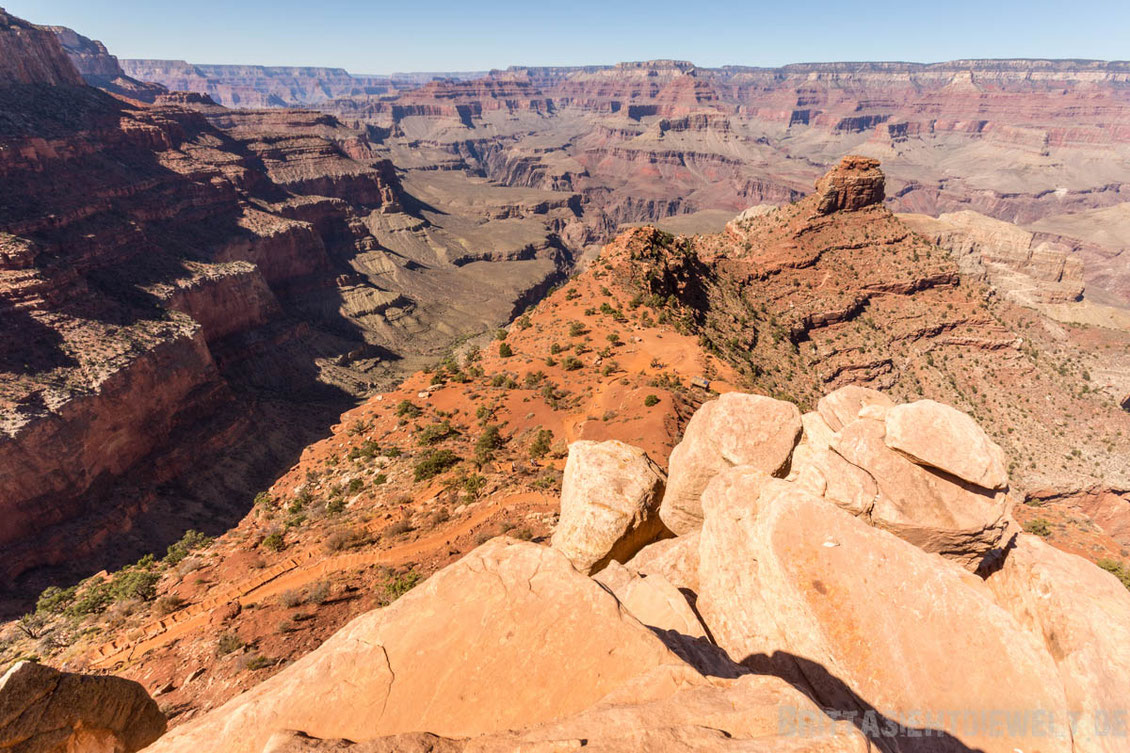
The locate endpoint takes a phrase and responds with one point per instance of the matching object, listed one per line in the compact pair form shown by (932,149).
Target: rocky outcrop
(735,429)
(788,584)
(43,710)
(941,437)
(31,55)
(522,641)
(99,68)
(855,183)
(609,504)
(1082,616)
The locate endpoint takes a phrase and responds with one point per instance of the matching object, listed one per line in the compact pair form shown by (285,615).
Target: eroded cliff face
(184,285)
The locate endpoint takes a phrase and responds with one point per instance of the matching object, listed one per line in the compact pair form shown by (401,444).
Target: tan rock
(817,433)
(788,578)
(508,637)
(43,710)
(609,504)
(824,473)
(840,407)
(652,600)
(675,559)
(735,429)
(1082,615)
(942,437)
(749,714)
(937,513)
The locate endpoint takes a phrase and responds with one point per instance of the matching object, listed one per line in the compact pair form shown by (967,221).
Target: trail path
(290,574)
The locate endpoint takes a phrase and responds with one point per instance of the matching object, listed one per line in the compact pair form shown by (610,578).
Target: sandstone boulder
(935,512)
(866,619)
(817,433)
(609,504)
(743,715)
(652,600)
(824,473)
(43,710)
(942,437)
(840,407)
(1082,615)
(508,637)
(675,559)
(735,429)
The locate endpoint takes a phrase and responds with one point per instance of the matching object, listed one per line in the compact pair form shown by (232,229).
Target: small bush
(319,593)
(253,662)
(651,400)
(291,599)
(504,350)
(191,541)
(1117,569)
(576,329)
(1038,527)
(434,463)
(399,528)
(541,444)
(399,585)
(274,542)
(379,479)
(340,539)
(436,433)
(168,604)
(406,409)
(571,363)
(355,485)
(228,643)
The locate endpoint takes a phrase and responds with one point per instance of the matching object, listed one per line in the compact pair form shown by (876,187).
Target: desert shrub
(500,334)
(1117,569)
(189,565)
(55,600)
(406,409)
(1038,527)
(264,499)
(555,348)
(436,433)
(524,322)
(319,593)
(504,350)
(541,444)
(253,662)
(379,479)
(191,541)
(401,584)
(489,441)
(576,329)
(392,452)
(168,604)
(291,599)
(355,485)
(134,584)
(434,463)
(651,400)
(335,506)
(571,363)
(273,542)
(340,539)
(228,643)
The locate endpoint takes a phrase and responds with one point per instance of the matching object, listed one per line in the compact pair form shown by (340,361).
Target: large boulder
(652,599)
(840,407)
(675,559)
(735,429)
(43,710)
(749,714)
(508,637)
(609,504)
(790,583)
(936,512)
(1082,615)
(942,437)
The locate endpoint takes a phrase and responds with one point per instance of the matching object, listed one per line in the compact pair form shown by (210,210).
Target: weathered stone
(866,618)
(840,407)
(1082,615)
(824,473)
(674,559)
(508,637)
(942,437)
(854,183)
(937,513)
(652,600)
(609,504)
(43,710)
(735,429)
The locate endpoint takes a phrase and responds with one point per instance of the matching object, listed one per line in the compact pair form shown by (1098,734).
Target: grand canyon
(625,407)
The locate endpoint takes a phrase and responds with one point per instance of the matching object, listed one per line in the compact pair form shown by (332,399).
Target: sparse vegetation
(435,463)
(651,400)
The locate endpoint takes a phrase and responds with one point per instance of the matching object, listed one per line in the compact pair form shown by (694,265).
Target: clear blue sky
(414,35)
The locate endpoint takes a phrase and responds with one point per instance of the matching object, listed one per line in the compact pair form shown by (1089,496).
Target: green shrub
(55,600)
(191,541)
(504,350)
(227,643)
(489,441)
(401,584)
(571,363)
(1117,569)
(436,433)
(274,542)
(435,463)
(134,584)
(1038,527)
(541,444)
(406,409)
(576,329)
(651,400)
(355,485)
(379,479)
